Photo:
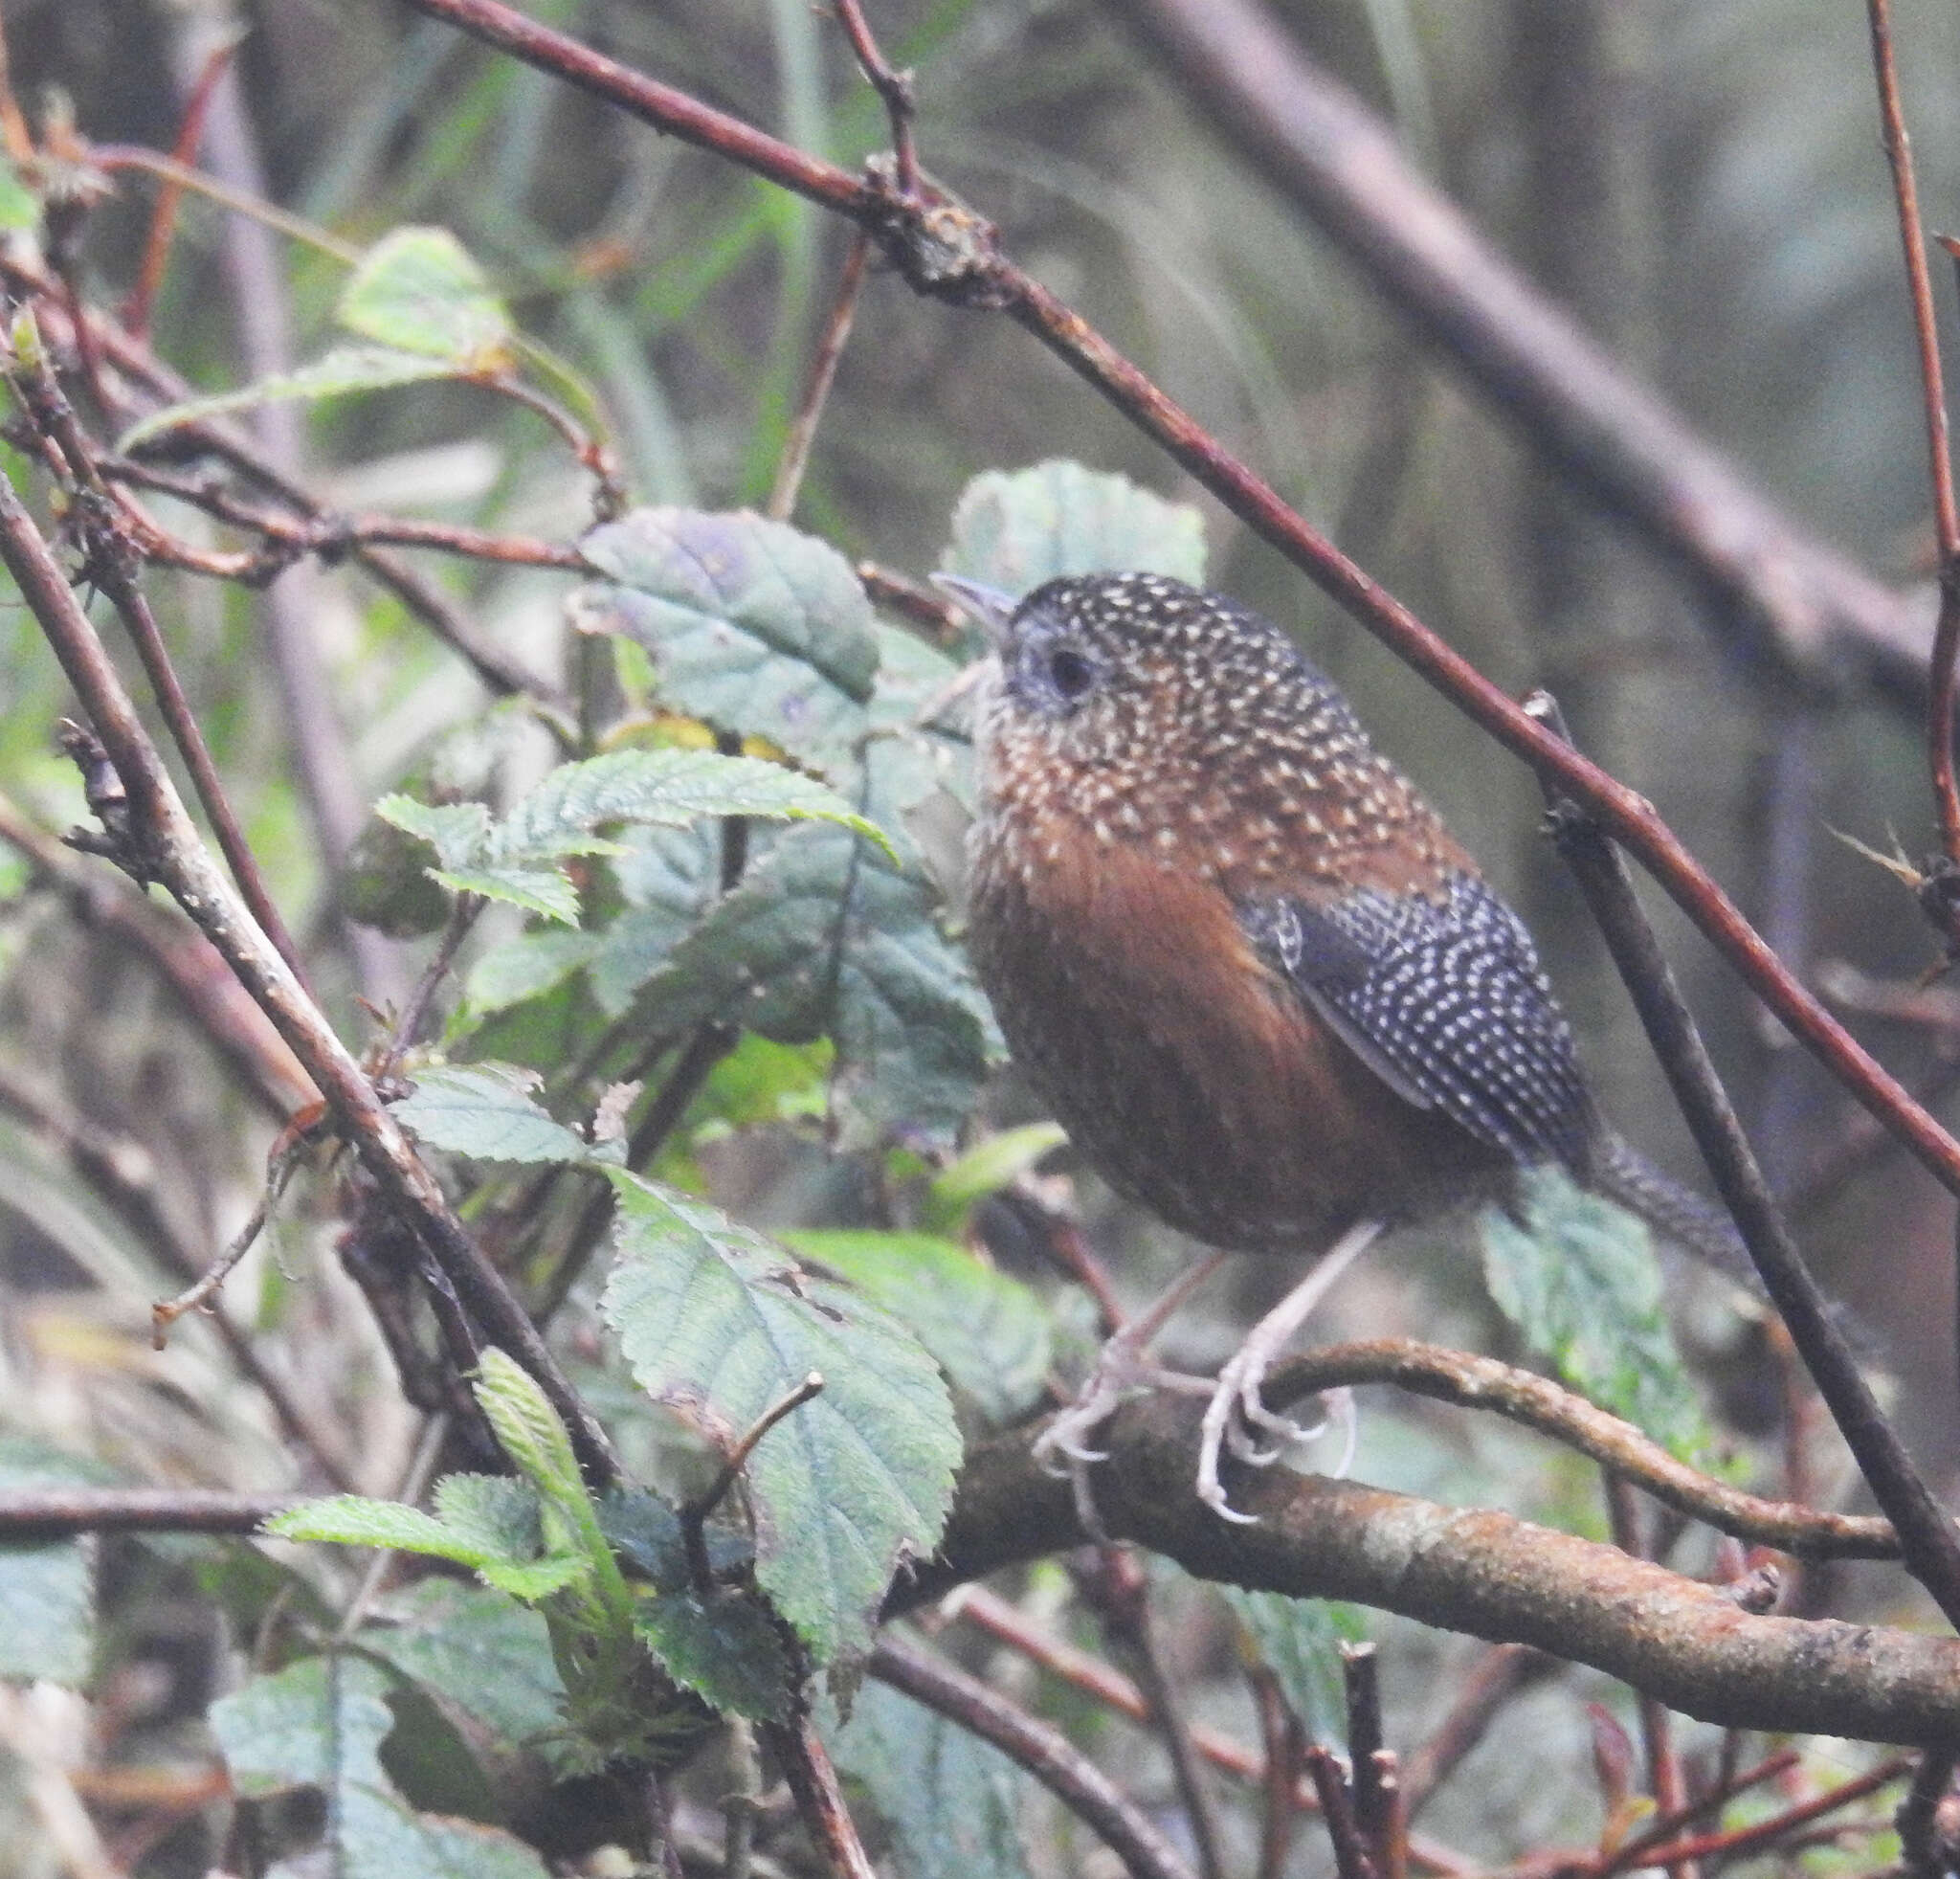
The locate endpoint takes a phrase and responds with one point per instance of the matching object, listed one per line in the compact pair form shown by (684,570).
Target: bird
(1265,991)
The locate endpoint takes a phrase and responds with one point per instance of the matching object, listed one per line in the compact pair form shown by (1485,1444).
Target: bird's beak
(989,604)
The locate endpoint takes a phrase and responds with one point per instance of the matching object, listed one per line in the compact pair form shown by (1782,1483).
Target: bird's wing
(1445,1001)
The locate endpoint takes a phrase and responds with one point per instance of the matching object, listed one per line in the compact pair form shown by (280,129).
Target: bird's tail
(1621,1172)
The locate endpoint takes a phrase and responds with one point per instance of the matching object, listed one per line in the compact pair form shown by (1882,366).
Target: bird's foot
(1236,1412)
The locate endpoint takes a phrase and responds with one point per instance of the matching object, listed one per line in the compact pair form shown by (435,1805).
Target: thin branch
(1337,1808)
(1040,1748)
(1117,1587)
(1940,707)
(947,250)
(1926,1535)
(1523,1395)
(172,854)
(1925,1822)
(1668,1826)
(694,1515)
(197,1295)
(893,87)
(1656,1730)
(55,1513)
(823,373)
(819,1800)
(1285,1745)
(1759,1835)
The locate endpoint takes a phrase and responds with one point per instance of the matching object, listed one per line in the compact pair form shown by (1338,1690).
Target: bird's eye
(1070,673)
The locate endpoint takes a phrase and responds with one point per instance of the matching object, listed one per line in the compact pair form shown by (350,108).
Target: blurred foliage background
(1702,184)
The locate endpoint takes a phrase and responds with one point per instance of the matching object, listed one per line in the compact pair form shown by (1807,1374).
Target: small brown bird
(1267,992)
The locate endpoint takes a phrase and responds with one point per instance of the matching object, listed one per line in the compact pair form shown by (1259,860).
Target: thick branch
(1486,1573)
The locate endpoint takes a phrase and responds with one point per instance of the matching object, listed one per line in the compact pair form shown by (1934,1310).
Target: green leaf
(1300,1640)
(989,1333)
(459,832)
(495,1512)
(719,1325)
(530,1432)
(951,1801)
(728,1650)
(1576,1275)
(1018,529)
(20,208)
(525,967)
(486,1111)
(752,626)
(548,892)
(419,290)
(995,1163)
(828,937)
(478,1652)
(354,1520)
(319,1724)
(515,859)
(47,1587)
(344,370)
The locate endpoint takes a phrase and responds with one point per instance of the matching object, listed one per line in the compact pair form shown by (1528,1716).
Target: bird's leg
(1235,1404)
(1120,1369)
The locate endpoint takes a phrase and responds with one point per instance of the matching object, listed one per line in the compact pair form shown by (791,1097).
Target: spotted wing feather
(1446,1001)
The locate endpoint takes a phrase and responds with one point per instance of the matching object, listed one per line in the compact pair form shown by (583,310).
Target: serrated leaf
(665,788)
(1018,528)
(47,1587)
(1576,1274)
(548,892)
(525,967)
(457,831)
(727,1649)
(419,290)
(355,1520)
(345,369)
(477,1651)
(319,1724)
(488,1111)
(951,1801)
(752,626)
(987,1332)
(496,1512)
(719,1325)
(530,1432)
(1300,1640)
(825,936)
(534,1580)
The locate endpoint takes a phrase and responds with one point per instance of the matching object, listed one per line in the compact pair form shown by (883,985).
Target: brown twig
(893,86)
(1117,1587)
(196,1296)
(906,597)
(823,373)
(163,221)
(695,1514)
(54,1513)
(1521,1395)
(1926,1535)
(1656,1728)
(167,850)
(1940,707)
(1925,1820)
(1738,1841)
(1668,1826)
(1285,1744)
(945,249)
(1042,1750)
(814,1781)
(1337,1809)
